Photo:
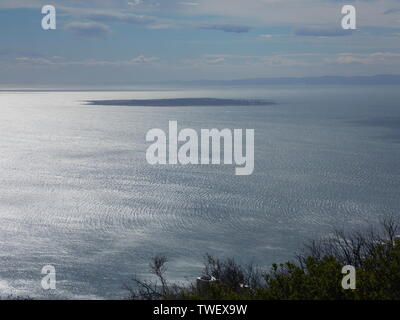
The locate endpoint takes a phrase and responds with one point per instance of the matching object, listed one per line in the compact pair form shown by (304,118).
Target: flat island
(182,102)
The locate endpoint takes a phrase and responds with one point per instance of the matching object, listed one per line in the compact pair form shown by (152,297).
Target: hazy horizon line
(378,79)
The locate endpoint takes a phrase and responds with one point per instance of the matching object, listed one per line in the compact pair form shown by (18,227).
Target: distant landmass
(325,80)
(181,102)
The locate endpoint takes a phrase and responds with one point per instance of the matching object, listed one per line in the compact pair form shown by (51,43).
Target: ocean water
(76,191)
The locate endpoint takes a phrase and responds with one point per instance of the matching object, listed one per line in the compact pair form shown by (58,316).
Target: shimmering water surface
(76,190)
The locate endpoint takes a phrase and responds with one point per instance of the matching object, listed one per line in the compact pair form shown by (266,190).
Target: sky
(120,42)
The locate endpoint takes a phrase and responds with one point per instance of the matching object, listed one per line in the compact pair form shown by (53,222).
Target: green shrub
(315,275)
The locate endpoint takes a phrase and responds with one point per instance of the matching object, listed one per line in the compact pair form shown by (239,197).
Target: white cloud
(259,12)
(303,12)
(58,61)
(298,59)
(106,17)
(189,3)
(375,58)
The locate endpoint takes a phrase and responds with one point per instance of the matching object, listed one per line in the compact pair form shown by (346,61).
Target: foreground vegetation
(314,275)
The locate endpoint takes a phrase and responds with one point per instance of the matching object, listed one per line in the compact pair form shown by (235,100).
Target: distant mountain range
(325,80)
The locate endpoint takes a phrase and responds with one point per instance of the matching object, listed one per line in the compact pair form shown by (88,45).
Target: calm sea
(76,191)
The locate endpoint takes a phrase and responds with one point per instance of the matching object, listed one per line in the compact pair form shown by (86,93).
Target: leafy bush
(315,275)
